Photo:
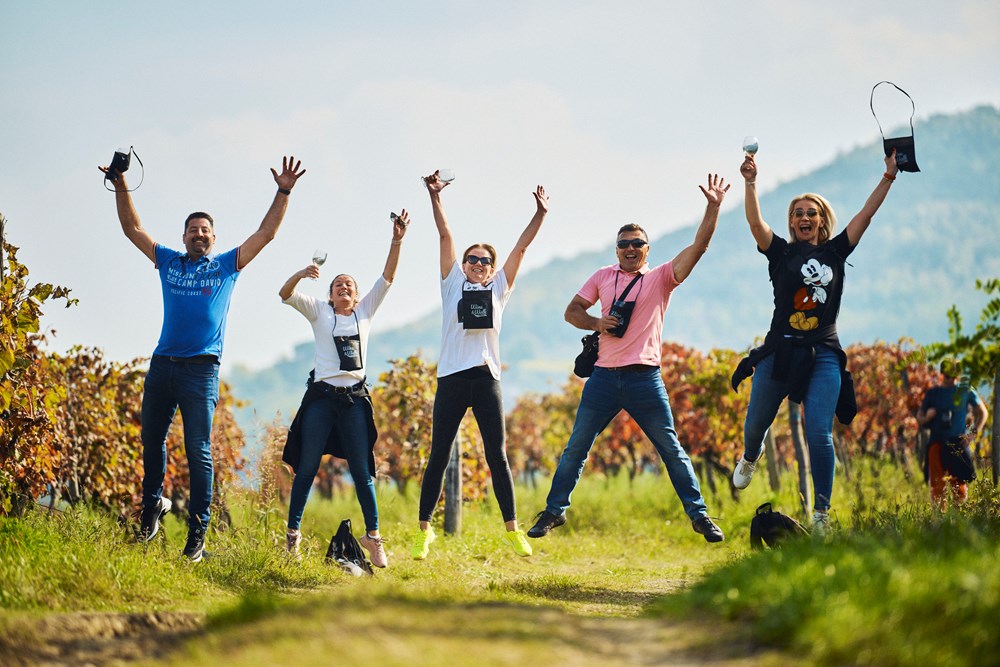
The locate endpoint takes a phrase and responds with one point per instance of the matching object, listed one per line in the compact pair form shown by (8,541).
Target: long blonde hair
(829,218)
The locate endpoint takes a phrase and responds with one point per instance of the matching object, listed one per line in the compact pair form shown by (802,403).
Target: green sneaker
(518,540)
(422,543)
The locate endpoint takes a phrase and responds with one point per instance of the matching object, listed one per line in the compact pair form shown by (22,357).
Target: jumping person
(336,415)
(197,288)
(473,295)
(627,373)
(801,357)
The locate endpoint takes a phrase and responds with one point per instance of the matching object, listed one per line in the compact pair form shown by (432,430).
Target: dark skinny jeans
(474,388)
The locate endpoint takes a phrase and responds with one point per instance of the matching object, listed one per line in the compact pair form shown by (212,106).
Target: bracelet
(399,242)
(285,191)
(751,182)
(887,177)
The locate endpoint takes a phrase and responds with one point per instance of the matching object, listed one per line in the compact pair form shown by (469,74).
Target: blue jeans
(351,421)
(194,388)
(644,397)
(819,405)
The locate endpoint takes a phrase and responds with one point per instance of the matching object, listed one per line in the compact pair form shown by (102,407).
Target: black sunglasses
(635,243)
(475,259)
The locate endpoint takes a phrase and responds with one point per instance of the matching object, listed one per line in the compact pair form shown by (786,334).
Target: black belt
(631,368)
(197,359)
(344,390)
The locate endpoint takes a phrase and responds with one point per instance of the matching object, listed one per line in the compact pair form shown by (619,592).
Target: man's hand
(715,192)
(289,173)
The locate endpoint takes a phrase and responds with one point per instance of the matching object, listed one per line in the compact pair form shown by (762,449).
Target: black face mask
(906,156)
(475,309)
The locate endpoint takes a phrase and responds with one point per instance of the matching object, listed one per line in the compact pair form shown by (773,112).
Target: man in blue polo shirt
(184,371)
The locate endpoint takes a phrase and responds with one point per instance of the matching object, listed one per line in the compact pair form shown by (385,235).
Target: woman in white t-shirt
(336,412)
(473,296)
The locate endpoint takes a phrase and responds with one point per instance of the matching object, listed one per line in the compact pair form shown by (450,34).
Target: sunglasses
(474,259)
(635,243)
(811,213)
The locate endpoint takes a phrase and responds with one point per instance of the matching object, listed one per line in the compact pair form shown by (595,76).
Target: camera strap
(142,175)
(628,288)
(906,154)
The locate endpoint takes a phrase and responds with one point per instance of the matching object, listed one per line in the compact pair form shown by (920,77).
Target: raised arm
(399,224)
(761,231)
(434,186)
(311,271)
(859,223)
(513,263)
(129,219)
(286,180)
(686,259)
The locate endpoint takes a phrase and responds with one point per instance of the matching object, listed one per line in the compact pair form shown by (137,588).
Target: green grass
(897,583)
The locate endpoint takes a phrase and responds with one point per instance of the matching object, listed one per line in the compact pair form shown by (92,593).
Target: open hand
(716,191)
(541,199)
(289,172)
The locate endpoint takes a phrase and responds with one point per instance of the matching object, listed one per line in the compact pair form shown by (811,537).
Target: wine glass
(444,175)
(750,145)
(319,257)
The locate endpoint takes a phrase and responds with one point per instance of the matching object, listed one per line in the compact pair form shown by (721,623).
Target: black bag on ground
(584,364)
(956,458)
(345,550)
(772,528)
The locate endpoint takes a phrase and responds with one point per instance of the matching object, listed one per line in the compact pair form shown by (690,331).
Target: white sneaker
(820,523)
(375,549)
(744,471)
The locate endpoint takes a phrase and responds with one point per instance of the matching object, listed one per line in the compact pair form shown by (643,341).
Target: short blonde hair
(829,218)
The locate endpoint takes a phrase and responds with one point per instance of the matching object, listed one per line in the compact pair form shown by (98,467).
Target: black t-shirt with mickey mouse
(808,283)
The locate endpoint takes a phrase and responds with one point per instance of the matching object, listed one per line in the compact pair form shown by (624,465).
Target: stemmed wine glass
(750,145)
(319,257)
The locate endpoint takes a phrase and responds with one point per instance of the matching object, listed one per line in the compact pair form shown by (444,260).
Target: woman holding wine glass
(336,414)
(473,295)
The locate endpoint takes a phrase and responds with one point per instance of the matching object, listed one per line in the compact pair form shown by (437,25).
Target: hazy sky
(619,109)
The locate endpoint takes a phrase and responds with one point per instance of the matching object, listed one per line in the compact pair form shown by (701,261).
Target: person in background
(945,410)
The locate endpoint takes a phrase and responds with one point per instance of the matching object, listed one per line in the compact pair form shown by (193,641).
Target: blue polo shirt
(196,297)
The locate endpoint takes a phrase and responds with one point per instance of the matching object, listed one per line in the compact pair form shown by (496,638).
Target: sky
(619,109)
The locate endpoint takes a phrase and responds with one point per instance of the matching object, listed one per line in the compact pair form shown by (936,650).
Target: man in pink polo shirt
(627,374)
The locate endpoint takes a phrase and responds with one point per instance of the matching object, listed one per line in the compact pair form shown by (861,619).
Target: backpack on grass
(772,528)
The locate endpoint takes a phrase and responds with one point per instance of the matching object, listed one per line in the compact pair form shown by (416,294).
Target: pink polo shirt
(643,339)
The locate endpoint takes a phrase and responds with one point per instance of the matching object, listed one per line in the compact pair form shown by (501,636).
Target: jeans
(456,393)
(643,396)
(351,421)
(819,405)
(194,388)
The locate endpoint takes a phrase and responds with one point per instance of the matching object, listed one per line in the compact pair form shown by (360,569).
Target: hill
(935,235)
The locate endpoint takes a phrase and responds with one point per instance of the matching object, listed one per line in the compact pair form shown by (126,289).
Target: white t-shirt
(468,348)
(326,324)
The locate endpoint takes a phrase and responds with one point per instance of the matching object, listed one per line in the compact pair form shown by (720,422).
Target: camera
(119,164)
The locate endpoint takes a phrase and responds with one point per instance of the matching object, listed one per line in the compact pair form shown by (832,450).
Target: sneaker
(375,550)
(820,523)
(744,472)
(292,540)
(707,527)
(151,518)
(195,547)
(544,522)
(518,540)
(422,543)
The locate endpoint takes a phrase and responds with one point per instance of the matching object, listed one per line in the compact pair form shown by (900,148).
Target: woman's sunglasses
(635,243)
(475,259)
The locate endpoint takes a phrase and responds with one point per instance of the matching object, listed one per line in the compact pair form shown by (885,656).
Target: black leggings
(474,388)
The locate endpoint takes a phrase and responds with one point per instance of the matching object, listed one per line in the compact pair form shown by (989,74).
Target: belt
(631,368)
(344,390)
(197,359)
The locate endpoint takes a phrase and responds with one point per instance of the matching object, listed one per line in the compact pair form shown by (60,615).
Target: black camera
(119,164)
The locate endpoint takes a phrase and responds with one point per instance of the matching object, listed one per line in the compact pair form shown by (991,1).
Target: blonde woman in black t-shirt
(801,357)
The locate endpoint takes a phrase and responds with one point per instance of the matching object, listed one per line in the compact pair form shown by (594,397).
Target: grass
(625,580)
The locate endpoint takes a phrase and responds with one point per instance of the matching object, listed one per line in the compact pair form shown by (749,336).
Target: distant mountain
(935,235)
